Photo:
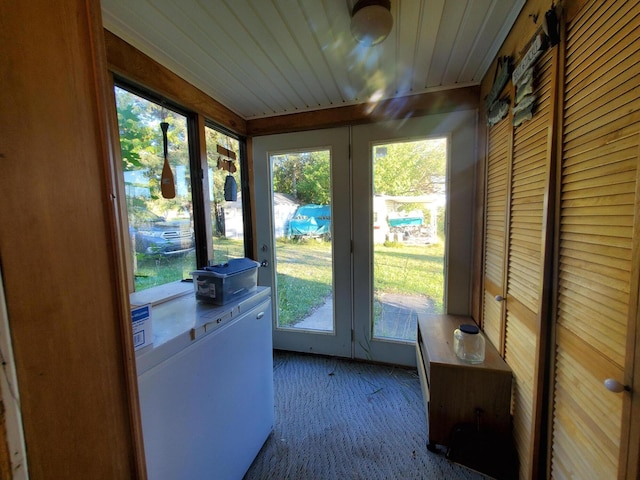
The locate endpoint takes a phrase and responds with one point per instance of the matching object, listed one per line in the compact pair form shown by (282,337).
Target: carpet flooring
(338,419)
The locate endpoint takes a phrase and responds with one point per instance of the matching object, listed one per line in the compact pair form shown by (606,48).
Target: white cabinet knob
(499,298)
(615,386)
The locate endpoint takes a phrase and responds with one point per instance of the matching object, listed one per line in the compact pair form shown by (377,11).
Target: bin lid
(233,266)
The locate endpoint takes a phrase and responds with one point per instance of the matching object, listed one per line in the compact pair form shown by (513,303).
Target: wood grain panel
(64,289)
(529,189)
(588,420)
(520,354)
(498,146)
(598,192)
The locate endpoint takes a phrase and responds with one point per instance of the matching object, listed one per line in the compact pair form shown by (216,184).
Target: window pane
(225,197)
(161,229)
(301,186)
(408,234)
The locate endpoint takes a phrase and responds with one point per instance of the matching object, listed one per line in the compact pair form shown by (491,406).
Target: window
(227,217)
(163,232)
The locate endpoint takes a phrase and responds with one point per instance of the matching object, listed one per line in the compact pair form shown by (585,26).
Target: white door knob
(499,298)
(615,386)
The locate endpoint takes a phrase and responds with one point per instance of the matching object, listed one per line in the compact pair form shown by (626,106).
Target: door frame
(338,342)
(460,130)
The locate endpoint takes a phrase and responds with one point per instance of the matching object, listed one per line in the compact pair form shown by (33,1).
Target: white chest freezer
(206,393)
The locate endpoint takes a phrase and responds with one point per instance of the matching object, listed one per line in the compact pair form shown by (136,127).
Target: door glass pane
(301,186)
(409,181)
(161,229)
(223,175)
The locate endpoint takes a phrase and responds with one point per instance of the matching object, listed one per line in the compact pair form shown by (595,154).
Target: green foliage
(314,185)
(134,137)
(304,175)
(409,168)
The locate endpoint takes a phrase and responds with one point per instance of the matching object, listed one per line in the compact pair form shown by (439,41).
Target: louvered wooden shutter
(598,183)
(528,216)
(498,156)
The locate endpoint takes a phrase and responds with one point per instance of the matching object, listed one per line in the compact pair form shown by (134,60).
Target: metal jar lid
(470,329)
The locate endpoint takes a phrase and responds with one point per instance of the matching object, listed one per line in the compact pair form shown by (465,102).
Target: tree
(304,175)
(142,150)
(410,168)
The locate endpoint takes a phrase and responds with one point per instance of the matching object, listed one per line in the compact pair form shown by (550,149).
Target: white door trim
(11,396)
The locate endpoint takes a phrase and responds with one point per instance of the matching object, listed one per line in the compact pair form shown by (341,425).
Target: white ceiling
(262,58)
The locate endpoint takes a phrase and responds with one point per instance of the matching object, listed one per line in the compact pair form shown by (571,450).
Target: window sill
(163,293)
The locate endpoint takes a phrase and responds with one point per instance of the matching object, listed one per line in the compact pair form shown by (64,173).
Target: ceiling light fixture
(371,21)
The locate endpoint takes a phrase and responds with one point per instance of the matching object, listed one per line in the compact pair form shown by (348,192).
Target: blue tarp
(405,221)
(311,220)
(411,219)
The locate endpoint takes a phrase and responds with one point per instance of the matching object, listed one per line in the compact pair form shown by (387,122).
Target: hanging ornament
(230,185)
(167,183)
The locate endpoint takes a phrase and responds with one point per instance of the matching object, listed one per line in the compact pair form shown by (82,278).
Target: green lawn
(154,270)
(304,274)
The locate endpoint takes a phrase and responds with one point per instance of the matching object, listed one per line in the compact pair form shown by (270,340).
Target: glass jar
(468,344)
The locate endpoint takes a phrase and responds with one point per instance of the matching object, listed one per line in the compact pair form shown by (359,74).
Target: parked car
(154,235)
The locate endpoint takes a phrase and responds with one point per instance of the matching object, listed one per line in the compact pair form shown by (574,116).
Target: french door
(354,246)
(304,238)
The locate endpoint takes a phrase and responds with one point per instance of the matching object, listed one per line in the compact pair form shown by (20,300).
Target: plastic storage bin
(220,284)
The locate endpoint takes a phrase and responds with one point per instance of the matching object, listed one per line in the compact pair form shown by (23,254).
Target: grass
(155,270)
(305,277)
(410,270)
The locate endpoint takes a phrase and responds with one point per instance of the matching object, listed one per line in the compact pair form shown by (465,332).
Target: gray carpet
(339,419)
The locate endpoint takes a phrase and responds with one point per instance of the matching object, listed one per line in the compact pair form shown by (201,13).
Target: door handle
(264,263)
(615,386)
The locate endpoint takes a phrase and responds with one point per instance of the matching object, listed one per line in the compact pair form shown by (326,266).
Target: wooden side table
(456,392)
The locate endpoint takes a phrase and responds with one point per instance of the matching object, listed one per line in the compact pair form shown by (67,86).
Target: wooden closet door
(597,288)
(528,266)
(498,159)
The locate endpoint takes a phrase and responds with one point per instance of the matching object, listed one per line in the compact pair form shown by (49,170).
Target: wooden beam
(467,98)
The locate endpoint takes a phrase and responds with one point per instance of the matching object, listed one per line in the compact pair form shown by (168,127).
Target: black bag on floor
(484,451)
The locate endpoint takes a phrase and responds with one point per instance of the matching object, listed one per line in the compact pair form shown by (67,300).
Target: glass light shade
(371,24)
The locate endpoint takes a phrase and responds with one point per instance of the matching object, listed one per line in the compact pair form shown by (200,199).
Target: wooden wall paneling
(62,281)
(515,45)
(596,308)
